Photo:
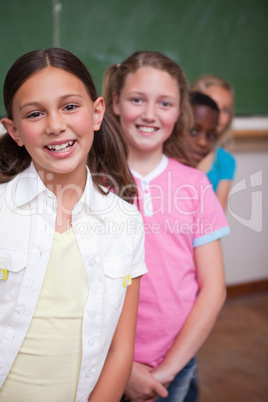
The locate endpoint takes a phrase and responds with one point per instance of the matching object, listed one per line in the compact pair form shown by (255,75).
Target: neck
(68,189)
(144,162)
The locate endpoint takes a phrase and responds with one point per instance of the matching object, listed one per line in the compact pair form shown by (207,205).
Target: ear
(10,127)
(116,108)
(99,109)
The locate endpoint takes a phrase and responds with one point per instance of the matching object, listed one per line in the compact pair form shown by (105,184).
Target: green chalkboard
(225,37)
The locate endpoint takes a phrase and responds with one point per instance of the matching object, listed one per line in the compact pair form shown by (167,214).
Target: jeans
(193,391)
(179,387)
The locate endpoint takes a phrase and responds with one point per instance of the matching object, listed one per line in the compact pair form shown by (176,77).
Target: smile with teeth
(146,129)
(60,147)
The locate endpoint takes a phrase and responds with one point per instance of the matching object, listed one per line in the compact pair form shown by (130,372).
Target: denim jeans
(179,387)
(193,391)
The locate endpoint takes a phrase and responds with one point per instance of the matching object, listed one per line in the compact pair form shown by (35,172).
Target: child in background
(201,140)
(203,134)
(219,165)
(67,314)
(184,290)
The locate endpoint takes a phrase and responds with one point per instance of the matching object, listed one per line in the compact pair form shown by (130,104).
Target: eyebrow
(62,98)
(159,95)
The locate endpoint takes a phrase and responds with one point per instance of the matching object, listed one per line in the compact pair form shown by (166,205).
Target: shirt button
(92,314)
(88,373)
(91,342)
(92,261)
(23,311)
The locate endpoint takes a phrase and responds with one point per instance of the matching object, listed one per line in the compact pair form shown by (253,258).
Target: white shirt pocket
(12,268)
(117,273)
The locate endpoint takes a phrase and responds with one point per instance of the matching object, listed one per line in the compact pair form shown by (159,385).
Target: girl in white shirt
(69,247)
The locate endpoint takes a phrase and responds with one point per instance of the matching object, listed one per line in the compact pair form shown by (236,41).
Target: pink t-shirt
(180,211)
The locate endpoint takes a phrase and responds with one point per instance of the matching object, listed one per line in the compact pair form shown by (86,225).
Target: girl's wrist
(165,372)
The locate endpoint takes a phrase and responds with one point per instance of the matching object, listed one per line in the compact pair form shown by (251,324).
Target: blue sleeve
(226,163)
(223,168)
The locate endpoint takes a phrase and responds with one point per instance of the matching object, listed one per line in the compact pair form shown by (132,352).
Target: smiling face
(224,99)
(55,119)
(202,136)
(148,107)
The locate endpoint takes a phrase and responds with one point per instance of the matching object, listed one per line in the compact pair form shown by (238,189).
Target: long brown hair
(114,80)
(107,159)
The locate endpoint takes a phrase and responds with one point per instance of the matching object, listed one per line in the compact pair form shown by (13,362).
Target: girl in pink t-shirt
(184,290)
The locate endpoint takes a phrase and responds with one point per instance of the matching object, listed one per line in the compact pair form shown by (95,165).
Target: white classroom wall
(245,250)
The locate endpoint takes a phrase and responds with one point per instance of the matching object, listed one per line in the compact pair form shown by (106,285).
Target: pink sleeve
(210,220)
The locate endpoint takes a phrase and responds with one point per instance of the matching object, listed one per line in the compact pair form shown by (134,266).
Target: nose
(149,112)
(55,124)
(202,140)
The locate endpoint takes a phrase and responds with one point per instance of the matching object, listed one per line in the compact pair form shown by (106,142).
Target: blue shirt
(223,168)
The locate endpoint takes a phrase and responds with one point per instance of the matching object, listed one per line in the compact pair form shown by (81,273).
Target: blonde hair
(211,80)
(114,80)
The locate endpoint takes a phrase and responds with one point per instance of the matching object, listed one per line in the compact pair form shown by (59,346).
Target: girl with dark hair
(203,133)
(184,290)
(70,247)
(219,164)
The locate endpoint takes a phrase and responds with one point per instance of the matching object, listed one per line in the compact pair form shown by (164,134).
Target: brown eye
(165,104)
(136,100)
(194,132)
(33,115)
(71,107)
(211,137)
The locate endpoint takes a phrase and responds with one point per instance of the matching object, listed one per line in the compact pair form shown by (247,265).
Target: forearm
(222,192)
(193,334)
(211,280)
(113,379)
(117,368)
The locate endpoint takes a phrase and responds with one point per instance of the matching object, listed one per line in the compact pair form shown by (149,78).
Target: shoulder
(187,174)
(225,161)
(2,193)
(117,208)
(5,188)
(224,156)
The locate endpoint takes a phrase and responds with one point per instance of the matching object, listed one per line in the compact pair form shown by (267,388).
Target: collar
(93,199)
(29,186)
(154,173)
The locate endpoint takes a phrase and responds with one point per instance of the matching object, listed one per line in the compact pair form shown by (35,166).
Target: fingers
(160,390)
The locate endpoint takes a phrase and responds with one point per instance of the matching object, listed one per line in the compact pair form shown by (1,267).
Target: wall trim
(247,288)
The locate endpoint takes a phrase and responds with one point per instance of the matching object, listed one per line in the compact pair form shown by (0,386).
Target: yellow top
(48,364)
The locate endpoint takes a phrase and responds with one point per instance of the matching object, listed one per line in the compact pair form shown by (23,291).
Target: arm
(222,192)
(210,277)
(117,367)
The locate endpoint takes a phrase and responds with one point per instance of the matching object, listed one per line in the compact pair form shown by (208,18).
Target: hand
(143,386)
(163,375)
